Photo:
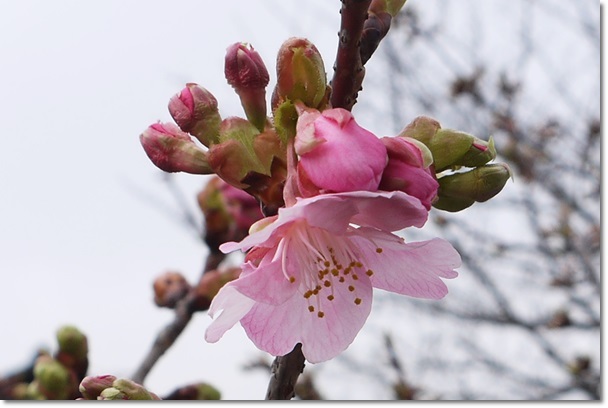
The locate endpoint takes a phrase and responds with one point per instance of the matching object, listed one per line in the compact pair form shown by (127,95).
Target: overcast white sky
(81,233)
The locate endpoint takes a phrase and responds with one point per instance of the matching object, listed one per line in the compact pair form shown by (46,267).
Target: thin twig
(184,310)
(166,338)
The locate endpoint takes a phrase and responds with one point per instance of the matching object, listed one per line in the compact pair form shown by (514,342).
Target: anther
(320,314)
(379,250)
(292,279)
(357,301)
(351,288)
(327,283)
(311,308)
(330,297)
(369,272)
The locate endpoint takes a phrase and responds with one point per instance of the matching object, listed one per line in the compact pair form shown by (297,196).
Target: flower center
(330,266)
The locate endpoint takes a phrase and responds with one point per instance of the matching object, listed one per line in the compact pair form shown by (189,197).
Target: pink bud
(244,67)
(336,154)
(408,169)
(247,74)
(243,207)
(195,111)
(172,150)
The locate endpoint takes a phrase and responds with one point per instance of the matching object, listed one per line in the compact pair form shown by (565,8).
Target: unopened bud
(53,379)
(228,211)
(247,74)
(244,151)
(422,128)
(73,350)
(195,111)
(459,191)
(450,148)
(409,170)
(169,289)
(92,386)
(200,391)
(336,154)
(210,283)
(124,389)
(300,75)
(172,150)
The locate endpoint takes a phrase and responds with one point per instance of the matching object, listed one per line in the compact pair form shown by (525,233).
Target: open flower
(309,274)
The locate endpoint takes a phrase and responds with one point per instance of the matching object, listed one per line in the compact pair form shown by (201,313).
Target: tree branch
(285,371)
(348,69)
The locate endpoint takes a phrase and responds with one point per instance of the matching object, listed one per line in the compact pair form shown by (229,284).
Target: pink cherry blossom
(409,170)
(336,154)
(309,272)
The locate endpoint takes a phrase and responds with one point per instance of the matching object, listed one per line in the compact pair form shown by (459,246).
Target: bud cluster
(460,163)
(307,147)
(55,377)
(109,388)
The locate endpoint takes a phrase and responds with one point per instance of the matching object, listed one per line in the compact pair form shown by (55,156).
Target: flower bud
(124,389)
(172,150)
(408,169)
(210,283)
(450,148)
(53,379)
(336,154)
(169,289)
(92,386)
(200,391)
(459,191)
(422,129)
(300,75)
(247,74)
(195,111)
(244,151)
(228,211)
(73,350)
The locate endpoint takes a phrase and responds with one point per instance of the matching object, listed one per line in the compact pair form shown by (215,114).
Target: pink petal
(267,283)
(388,211)
(233,305)
(412,269)
(277,329)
